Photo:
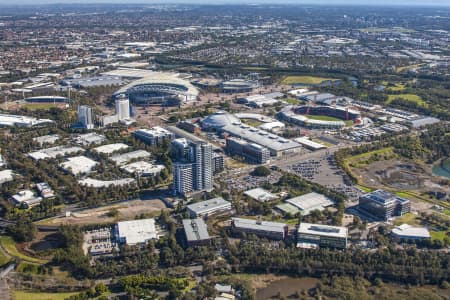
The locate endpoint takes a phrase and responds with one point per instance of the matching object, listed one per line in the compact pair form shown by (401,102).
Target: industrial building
(309,202)
(88,139)
(383,205)
(22,121)
(311,145)
(143,168)
(318,235)
(260,195)
(209,207)
(136,231)
(46,139)
(111,148)
(121,159)
(6,176)
(54,152)
(45,190)
(277,145)
(407,232)
(154,136)
(78,165)
(253,153)
(86,117)
(264,229)
(196,232)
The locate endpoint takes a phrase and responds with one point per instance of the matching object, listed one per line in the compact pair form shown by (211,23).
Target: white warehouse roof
(309,202)
(136,231)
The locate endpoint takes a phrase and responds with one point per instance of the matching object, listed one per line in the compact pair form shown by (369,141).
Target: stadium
(159,89)
(320,117)
(47,99)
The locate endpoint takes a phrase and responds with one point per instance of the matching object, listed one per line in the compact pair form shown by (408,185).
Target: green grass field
(36,106)
(409,97)
(251,122)
(322,118)
(4,258)
(21,295)
(10,246)
(313,80)
(396,88)
(408,218)
(438,235)
(293,101)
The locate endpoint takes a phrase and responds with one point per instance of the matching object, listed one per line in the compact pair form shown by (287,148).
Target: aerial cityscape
(227,151)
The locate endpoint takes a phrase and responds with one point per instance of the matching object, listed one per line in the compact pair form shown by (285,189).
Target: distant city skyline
(309,2)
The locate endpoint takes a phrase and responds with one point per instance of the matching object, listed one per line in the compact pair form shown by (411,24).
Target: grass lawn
(21,295)
(313,80)
(4,258)
(438,235)
(364,188)
(251,122)
(408,218)
(36,106)
(293,101)
(396,88)
(10,246)
(409,97)
(322,118)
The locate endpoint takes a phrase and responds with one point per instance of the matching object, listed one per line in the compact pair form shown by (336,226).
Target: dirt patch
(128,210)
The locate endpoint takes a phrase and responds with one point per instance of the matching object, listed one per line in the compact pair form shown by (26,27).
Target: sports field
(312,80)
(21,295)
(409,97)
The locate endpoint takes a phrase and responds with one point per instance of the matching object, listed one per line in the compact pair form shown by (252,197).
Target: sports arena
(159,88)
(316,116)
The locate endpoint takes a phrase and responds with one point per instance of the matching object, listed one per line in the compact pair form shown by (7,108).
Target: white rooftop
(323,230)
(6,176)
(126,157)
(406,230)
(54,152)
(260,194)
(143,167)
(105,183)
(110,148)
(137,231)
(307,142)
(309,202)
(78,165)
(15,120)
(89,138)
(50,139)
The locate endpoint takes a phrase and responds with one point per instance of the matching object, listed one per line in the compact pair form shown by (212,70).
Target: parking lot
(99,241)
(246,181)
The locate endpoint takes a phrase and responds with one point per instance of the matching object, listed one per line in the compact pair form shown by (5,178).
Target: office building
(196,232)
(136,231)
(85,116)
(253,153)
(383,205)
(208,207)
(25,199)
(318,235)
(218,163)
(265,229)
(123,108)
(156,135)
(407,232)
(260,195)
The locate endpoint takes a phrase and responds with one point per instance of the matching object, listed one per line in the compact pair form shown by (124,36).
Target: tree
(261,171)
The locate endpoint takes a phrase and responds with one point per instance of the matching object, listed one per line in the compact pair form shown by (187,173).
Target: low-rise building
(78,165)
(25,199)
(143,168)
(6,176)
(407,232)
(266,229)
(260,195)
(318,235)
(136,231)
(209,207)
(196,232)
(309,202)
(156,135)
(252,153)
(45,190)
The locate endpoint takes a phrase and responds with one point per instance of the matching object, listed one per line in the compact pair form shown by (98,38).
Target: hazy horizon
(309,2)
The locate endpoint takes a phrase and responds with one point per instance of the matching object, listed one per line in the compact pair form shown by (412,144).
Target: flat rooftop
(258,225)
(309,202)
(323,230)
(126,157)
(137,231)
(78,165)
(208,205)
(195,229)
(54,152)
(110,148)
(261,195)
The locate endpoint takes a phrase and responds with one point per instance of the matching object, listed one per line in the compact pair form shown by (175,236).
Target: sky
(337,2)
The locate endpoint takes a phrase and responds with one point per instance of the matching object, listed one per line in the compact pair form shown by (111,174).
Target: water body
(442,168)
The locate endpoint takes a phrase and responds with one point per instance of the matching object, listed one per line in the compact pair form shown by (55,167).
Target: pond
(442,168)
